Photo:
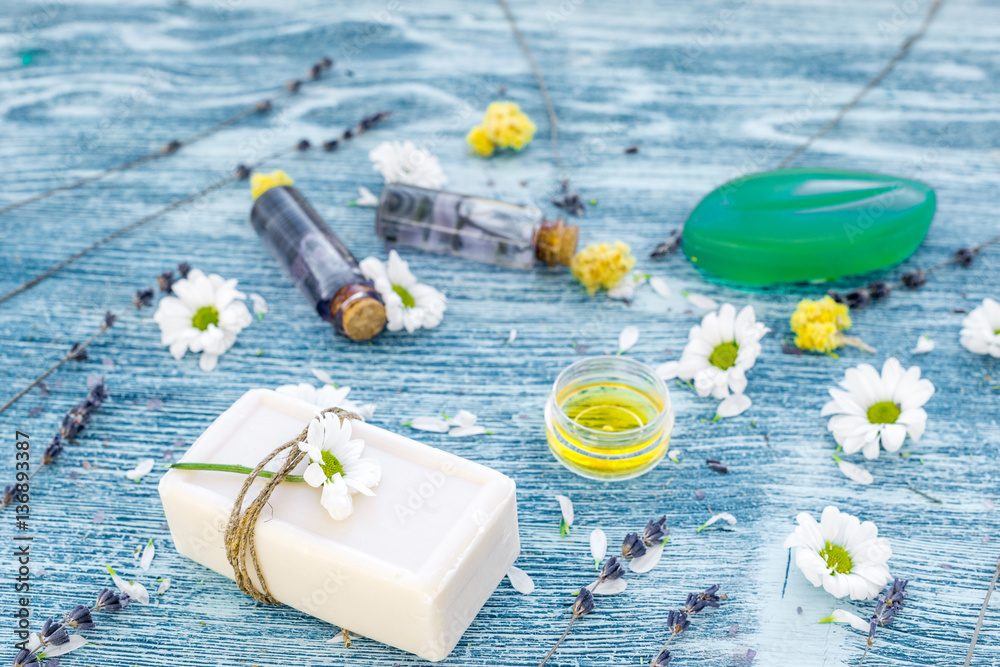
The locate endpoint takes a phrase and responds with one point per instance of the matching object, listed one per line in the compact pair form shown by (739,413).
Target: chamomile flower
(337,466)
(872,409)
(841,554)
(602,266)
(205,315)
(503,126)
(404,162)
(409,304)
(819,325)
(719,352)
(981,329)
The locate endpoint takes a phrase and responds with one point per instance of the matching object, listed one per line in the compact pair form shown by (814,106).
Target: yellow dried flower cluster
(602,266)
(817,325)
(261,183)
(503,126)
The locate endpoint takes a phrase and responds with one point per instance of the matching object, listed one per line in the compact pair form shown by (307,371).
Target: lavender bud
(857,298)
(80,617)
(584,603)
(611,570)
(836,296)
(109,319)
(661,660)
(878,289)
(717,466)
(241,172)
(26,658)
(293,86)
(964,257)
(170,147)
(53,451)
(655,531)
(677,621)
(914,279)
(77,353)
(53,633)
(303,145)
(315,71)
(166,281)
(326,63)
(330,145)
(184,269)
(143,297)
(263,106)
(633,547)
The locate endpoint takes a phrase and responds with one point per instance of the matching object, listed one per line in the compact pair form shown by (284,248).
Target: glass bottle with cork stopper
(318,262)
(476,228)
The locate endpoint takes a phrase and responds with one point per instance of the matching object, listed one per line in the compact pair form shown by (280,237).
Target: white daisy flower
(719,352)
(874,409)
(409,304)
(205,315)
(326,397)
(337,466)
(403,162)
(841,554)
(981,329)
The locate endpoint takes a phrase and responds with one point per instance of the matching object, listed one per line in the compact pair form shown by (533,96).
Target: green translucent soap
(796,225)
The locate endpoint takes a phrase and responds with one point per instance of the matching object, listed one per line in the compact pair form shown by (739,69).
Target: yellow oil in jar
(610,408)
(609,430)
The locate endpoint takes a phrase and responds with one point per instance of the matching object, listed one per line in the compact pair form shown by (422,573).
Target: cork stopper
(556,243)
(363,318)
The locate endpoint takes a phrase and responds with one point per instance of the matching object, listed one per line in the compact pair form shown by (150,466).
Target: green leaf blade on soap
(800,225)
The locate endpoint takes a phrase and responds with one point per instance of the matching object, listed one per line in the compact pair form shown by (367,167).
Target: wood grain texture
(708,90)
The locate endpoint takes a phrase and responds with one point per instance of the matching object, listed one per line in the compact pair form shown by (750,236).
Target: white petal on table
(366,198)
(732,405)
(164,585)
(598,544)
(608,587)
(924,345)
(844,616)
(566,506)
(147,556)
(660,286)
(75,642)
(323,376)
(512,336)
(464,418)
(855,472)
(433,424)
(141,469)
(702,301)
(721,516)
(628,338)
(668,370)
(520,580)
(647,561)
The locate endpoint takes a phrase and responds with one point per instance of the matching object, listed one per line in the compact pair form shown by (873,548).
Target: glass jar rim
(637,366)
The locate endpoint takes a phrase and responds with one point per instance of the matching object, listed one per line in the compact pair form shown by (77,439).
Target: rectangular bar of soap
(410,568)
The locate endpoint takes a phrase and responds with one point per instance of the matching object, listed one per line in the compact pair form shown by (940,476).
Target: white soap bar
(410,568)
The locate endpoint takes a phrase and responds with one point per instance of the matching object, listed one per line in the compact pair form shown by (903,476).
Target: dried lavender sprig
(239,173)
(173,145)
(75,420)
(583,605)
(885,611)
(74,354)
(915,279)
(80,617)
(678,620)
(982,615)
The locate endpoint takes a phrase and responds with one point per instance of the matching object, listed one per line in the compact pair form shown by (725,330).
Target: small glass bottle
(320,264)
(472,227)
(609,418)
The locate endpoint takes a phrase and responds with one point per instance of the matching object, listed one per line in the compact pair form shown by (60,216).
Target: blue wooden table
(708,91)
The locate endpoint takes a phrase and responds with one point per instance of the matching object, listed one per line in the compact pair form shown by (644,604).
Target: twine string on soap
(240,535)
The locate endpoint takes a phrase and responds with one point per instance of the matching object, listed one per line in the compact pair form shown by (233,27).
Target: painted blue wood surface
(707,90)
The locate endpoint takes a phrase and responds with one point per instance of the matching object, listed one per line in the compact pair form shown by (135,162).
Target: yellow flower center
(204,316)
(331,466)
(884,412)
(408,300)
(837,558)
(724,355)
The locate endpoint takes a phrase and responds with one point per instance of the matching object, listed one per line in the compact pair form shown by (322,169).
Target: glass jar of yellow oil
(609,418)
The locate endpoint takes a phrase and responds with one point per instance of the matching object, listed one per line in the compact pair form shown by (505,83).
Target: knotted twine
(240,536)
